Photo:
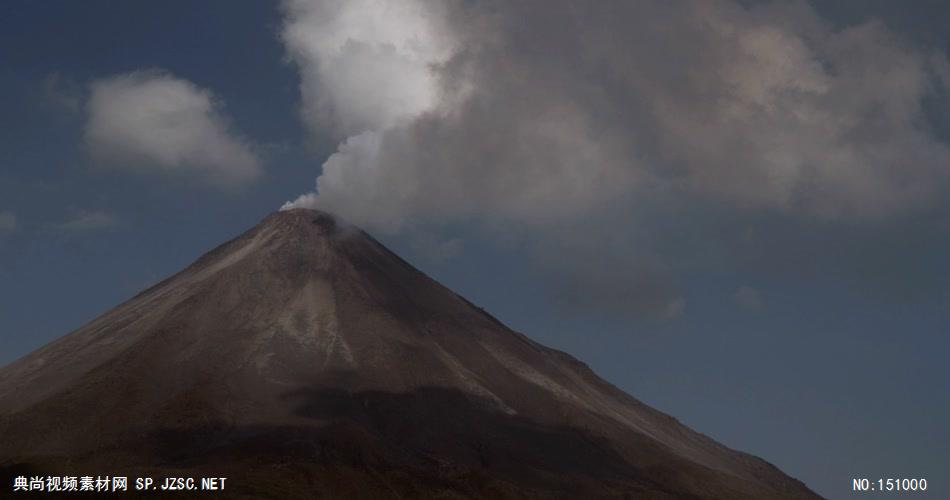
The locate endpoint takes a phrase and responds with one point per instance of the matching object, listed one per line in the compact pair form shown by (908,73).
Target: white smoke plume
(534,110)
(537,115)
(367,67)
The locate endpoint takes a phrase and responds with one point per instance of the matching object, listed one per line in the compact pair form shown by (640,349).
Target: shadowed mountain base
(430,443)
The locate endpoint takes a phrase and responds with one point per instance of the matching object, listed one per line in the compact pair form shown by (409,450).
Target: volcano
(303,359)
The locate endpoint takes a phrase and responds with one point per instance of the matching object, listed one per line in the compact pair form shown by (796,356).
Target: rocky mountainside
(303,359)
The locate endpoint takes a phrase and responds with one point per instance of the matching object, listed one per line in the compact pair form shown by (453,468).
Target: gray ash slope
(305,360)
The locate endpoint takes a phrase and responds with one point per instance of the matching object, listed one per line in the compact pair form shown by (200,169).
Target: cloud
(8,222)
(527,117)
(534,110)
(748,297)
(153,122)
(86,221)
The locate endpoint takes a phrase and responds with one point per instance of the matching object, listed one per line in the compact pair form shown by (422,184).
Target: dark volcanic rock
(304,360)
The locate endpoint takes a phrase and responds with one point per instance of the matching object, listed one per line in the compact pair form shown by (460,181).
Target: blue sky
(802,320)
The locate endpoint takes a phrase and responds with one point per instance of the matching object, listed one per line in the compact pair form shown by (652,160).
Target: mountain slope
(304,358)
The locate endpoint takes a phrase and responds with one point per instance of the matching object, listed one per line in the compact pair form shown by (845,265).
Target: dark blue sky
(832,366)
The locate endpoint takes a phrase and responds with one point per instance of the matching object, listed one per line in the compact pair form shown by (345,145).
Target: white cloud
(530,117)
(532,111)
(84,221)
(8,222)
(150,121)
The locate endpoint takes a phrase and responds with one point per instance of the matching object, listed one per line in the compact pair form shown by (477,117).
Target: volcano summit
(303,359)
